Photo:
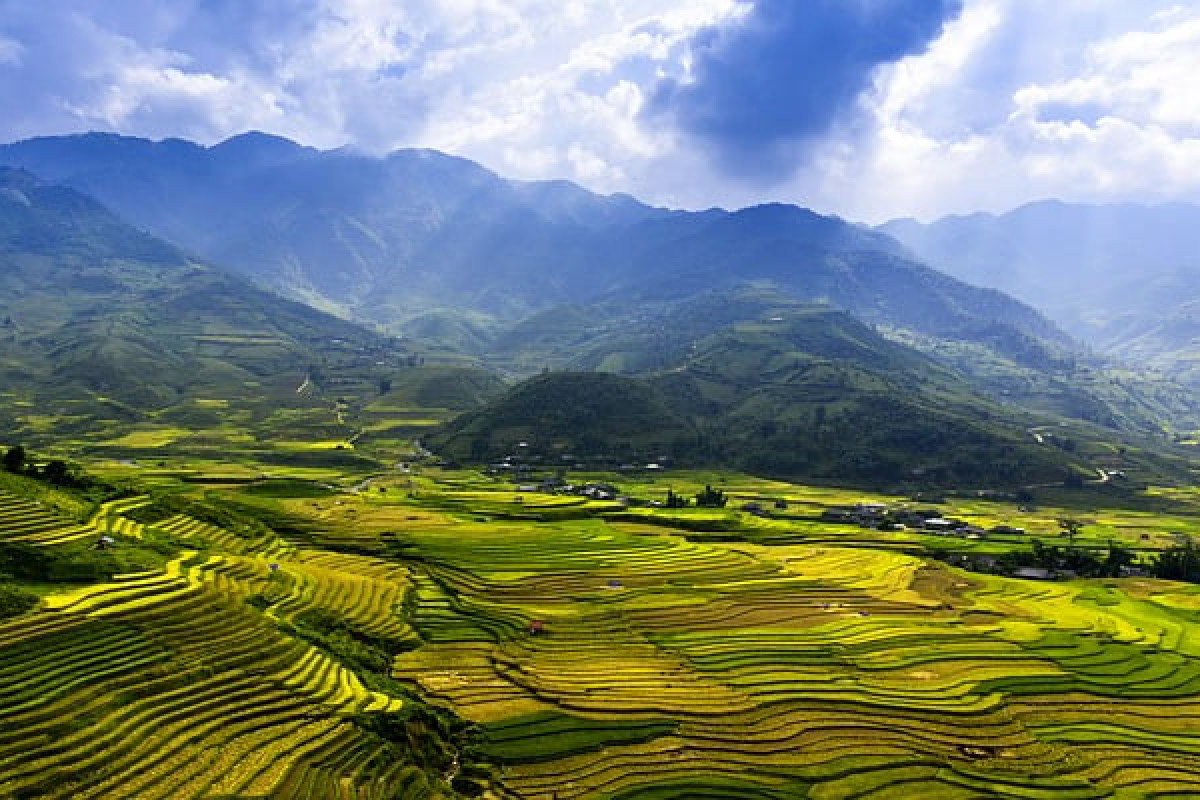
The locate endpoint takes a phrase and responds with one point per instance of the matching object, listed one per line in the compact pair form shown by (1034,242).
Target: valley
(339,476)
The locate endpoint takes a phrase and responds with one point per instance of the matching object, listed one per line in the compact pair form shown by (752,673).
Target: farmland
(434,633)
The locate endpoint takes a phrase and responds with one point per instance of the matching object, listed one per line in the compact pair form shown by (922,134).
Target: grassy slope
(105,330)
(803,391)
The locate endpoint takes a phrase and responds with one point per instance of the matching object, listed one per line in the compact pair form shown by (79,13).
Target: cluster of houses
(526,457)
(592,491)
(878,516)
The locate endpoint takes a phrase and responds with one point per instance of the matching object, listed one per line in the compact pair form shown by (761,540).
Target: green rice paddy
(593,650)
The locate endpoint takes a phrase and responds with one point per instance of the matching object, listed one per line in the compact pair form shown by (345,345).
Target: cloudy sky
(866,108)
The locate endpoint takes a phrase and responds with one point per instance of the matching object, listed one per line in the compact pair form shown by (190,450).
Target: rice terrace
(435,632)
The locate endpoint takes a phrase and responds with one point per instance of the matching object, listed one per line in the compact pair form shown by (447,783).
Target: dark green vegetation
(571,417)
(763,383)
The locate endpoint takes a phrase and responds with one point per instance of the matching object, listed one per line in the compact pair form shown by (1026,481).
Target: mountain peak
(255,147)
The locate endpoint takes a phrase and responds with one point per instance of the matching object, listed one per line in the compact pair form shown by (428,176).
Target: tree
(1071,528)
(57,473)
(1179,563)
(15,459)
(675,500)
(711,498)
(1118,558)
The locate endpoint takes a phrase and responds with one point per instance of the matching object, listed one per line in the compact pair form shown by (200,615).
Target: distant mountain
(1125,278)
(443,251)
(805,392)
(378,239)
(395,239)
(620,335)
(102,322)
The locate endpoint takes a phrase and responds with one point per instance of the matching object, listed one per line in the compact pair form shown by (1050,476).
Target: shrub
(15,601)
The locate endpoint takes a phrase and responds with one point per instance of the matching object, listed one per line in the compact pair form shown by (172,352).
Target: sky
(870,109)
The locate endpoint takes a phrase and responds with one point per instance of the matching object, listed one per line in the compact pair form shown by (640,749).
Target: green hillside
(104,326)
(629,335)
(808,391)
(586,415)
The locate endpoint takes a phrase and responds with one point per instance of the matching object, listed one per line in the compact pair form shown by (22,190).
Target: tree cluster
(1178,563)
(56,471)
(711,498)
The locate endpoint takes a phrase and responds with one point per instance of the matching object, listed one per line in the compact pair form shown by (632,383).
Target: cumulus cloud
(867,108)
(763,87)
(1095,106)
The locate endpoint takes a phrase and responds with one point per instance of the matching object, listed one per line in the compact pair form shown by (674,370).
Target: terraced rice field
(169,684)
(24,520)
(598,657)
(662,667)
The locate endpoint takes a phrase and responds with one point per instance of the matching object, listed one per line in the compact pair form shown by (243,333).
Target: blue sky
(866,108)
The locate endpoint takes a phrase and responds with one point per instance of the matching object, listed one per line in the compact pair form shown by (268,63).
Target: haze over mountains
(1124,278)
(711,313)
(100,321)
(390,240)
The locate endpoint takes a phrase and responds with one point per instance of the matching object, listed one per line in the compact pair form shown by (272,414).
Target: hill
(809,391)
(567,416)
(624,335)
(102,323)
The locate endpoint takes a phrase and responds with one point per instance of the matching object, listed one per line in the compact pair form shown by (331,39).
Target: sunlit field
(586,648)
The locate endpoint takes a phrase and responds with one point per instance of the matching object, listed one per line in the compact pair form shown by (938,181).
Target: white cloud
(1018,100)
(1103,114)
(10,51)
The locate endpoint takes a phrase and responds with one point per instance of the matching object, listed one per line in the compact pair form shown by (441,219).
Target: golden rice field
(592,653)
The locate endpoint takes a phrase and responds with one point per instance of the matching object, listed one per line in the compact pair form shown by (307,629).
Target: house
(1032,573)
(599,491)
(839,514)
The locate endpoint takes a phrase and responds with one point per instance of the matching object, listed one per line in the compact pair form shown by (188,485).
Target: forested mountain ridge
(392,239)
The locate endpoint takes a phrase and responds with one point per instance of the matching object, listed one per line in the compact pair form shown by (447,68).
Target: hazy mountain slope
(387,239)
(1120,276)
(382,239)
(98,319)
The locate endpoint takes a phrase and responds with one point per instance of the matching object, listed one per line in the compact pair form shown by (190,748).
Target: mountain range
(388,240)
(146,276)
(1124,278)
